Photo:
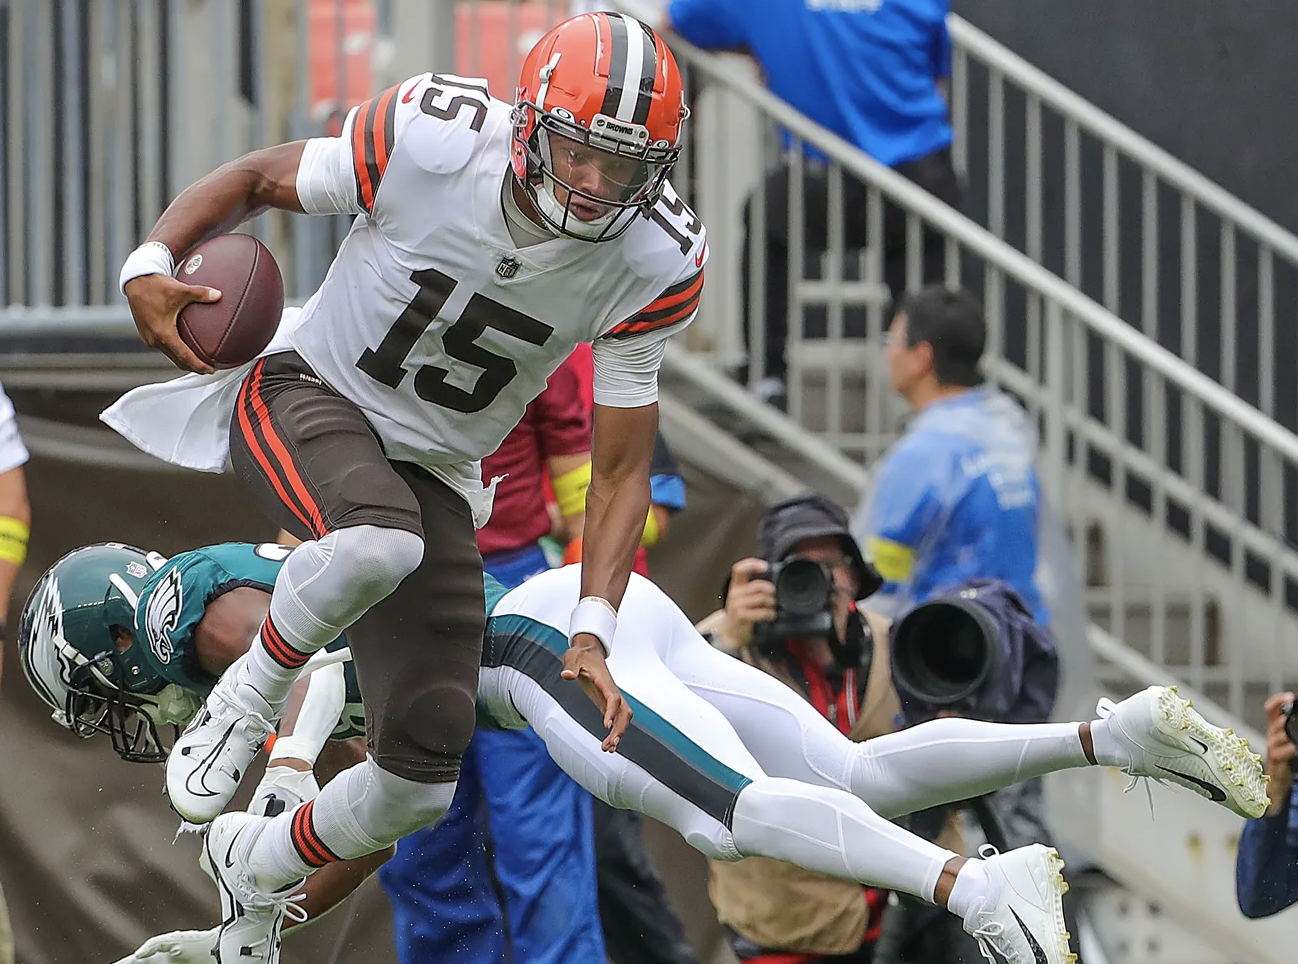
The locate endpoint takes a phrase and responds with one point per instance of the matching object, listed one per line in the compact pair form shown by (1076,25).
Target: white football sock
(359,812)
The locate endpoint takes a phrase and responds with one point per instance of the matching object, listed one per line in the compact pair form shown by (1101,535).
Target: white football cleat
(1167,740)
(252,913)
(212,755)
(1022,919)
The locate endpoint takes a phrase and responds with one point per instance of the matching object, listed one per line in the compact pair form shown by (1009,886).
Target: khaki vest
(779,905)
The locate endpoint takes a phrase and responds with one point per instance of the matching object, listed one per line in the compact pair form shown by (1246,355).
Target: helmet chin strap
(172,705)
(556,214)
(545,73)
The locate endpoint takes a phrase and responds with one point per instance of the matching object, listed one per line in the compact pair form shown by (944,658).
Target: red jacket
(557,422)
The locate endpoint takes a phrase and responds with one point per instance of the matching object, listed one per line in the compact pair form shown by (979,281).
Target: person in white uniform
(730,757)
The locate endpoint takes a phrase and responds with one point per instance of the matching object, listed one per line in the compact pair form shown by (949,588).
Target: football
(233,331)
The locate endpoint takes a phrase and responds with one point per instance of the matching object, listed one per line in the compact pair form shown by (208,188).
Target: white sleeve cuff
(626,370)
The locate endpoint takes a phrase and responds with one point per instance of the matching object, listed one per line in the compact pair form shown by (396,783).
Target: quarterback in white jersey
(489,240)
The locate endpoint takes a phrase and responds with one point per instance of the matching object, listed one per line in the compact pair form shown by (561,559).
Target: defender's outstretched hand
(176,947)
(584,662)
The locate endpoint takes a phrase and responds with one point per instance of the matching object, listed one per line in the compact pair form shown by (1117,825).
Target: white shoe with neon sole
(1165,739)
(1022,919)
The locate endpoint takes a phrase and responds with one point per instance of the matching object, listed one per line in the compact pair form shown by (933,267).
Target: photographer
(793,615)
(1266,869)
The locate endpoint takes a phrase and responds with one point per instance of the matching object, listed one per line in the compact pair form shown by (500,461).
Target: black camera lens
(802,587)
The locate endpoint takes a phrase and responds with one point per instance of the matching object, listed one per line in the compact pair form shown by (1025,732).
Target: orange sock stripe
(309,846)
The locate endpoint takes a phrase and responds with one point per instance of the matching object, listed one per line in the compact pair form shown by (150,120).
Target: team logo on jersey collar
(162,616)
(508,267)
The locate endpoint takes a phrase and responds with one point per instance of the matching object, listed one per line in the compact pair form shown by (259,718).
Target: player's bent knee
(425,730)
(378,558)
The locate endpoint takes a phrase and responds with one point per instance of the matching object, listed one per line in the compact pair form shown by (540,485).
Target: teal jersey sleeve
(174,599)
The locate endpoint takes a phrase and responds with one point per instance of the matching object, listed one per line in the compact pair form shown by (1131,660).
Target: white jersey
(430,319)
(13,452)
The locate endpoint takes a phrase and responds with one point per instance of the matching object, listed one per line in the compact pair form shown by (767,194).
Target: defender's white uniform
(431,319)
(708,727)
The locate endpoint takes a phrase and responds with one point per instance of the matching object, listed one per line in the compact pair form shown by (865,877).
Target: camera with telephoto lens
(1291,726)
(977,651)
(804,592)
(943,653)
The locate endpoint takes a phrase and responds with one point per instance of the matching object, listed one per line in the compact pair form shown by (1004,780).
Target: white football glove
(281,789)
(178,947)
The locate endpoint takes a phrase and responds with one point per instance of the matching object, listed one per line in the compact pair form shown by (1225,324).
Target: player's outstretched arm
(220,202)
(617,503)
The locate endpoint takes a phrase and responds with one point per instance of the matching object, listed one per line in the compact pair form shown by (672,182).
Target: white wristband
(152,257)
(594,615)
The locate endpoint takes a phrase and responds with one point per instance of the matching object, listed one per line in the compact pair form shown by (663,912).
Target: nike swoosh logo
(205,767)
(409,95)
(1038,952)
(1215,792)
(228,851)
(698,261)
(1202,746)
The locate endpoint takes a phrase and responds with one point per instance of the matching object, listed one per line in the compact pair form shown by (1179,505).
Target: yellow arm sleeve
(13,539)
(651,532)
(570,490)
(894,561)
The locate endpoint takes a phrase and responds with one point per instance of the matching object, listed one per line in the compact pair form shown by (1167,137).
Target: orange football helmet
(597,124)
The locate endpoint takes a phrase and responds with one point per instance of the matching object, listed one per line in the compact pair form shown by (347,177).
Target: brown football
(234,330)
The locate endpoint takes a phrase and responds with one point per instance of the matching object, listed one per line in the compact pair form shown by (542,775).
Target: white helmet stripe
(635,39)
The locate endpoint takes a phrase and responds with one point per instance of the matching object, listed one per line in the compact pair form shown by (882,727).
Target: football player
(731,758)
(489,240)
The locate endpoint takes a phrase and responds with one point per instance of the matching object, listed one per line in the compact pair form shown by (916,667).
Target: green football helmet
(76,646)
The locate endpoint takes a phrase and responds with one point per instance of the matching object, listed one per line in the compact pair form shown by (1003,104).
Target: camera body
(804,593)
(1291,722)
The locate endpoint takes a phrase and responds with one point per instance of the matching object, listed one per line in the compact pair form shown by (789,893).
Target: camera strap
(839,708)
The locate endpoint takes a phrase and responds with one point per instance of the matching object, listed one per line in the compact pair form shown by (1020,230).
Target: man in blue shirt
(875,72)
(1266,869)
(957,497)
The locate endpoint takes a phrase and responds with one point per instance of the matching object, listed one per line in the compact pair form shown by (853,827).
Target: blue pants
(508,875)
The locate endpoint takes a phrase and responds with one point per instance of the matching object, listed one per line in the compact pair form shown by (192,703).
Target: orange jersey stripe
(673,306)
(372,141)
(364,185)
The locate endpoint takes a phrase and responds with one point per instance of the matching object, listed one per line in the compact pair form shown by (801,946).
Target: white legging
(738,763)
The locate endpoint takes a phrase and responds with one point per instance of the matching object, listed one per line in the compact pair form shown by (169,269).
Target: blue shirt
(865,69)
(957,499)
(1266,867)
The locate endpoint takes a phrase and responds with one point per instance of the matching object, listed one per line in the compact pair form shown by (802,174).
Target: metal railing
(1150,238)
(1133,438)
(110,108)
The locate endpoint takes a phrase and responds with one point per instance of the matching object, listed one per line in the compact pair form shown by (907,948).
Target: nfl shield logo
(135,570)
(507,268)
